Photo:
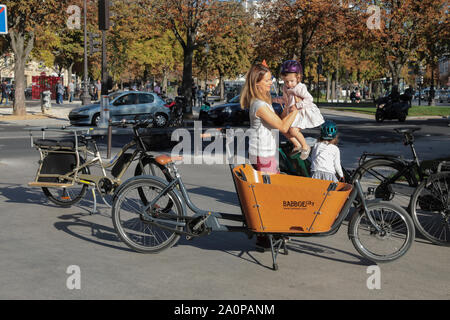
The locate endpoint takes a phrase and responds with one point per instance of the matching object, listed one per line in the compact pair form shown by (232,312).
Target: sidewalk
(57,115)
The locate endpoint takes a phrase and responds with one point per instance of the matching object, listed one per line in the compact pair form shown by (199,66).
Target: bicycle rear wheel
(153,168)
(65,197)
(376,178)
(430,208)
(134,228)
(394,239)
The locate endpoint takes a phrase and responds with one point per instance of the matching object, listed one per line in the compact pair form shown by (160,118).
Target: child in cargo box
(326,157)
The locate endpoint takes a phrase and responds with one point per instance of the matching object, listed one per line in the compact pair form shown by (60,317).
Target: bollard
(104,112)
(108,151)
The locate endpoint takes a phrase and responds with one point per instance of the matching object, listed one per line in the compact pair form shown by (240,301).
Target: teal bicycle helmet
(328,130)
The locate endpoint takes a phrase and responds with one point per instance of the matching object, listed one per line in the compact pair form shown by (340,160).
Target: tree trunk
(328,87)
(21,51)
(431,94)
(187,77)
(333,89)
(221,86)
(164,81)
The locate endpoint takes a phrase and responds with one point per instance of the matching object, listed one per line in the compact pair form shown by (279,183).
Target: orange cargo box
(279,203)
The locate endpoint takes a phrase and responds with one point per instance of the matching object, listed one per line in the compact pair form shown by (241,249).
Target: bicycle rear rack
(365,155)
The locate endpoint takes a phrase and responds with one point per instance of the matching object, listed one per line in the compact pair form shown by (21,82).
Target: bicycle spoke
(138,232)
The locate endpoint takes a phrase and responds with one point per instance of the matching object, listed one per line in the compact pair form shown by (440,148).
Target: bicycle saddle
(406,130)
(163,159)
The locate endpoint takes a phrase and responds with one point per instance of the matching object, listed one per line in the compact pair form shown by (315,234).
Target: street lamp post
(206,81)
(85,98)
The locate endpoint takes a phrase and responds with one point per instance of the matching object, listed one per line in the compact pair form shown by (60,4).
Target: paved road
(39,241)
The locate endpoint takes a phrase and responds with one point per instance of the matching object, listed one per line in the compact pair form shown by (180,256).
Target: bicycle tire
(143,236)
(430,208)
(373,172)
(61,200)
(154,169)
(363,234)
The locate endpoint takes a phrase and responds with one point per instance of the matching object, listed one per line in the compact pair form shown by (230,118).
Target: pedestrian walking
(71,89)
(194,95)
(4,92)
(98,87)
(157,89)
(59,92)
(200,97)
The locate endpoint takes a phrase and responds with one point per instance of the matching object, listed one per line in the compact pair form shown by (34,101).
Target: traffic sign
(3,19)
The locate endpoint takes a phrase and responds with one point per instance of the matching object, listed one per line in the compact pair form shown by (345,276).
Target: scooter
(387,109)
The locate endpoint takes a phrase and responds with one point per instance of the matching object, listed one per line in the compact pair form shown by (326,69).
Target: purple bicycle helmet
(291,66)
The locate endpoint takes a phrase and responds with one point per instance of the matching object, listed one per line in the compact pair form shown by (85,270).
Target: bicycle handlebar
(220,131)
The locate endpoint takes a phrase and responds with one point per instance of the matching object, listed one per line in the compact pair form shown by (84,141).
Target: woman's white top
(326,157)
(262,141)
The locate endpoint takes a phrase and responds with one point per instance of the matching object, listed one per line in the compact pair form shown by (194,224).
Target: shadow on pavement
(238,245)
(92,232)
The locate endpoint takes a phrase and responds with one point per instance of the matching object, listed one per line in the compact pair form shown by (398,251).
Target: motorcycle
(176,111)
(389,109)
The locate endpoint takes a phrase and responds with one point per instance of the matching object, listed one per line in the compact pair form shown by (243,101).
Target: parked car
(124,105)
(443,95)
(231,112)
(28,92)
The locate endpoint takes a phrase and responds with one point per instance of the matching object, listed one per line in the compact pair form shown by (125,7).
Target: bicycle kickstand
(94,210)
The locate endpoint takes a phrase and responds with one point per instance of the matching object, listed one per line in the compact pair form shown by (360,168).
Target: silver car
(128,105)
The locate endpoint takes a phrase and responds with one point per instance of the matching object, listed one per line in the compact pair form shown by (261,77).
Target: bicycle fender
(364,165)
(164,182)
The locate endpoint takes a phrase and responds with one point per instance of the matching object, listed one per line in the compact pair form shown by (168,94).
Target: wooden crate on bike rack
(279,203)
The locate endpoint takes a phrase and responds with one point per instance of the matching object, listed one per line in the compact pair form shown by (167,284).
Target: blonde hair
(250,91)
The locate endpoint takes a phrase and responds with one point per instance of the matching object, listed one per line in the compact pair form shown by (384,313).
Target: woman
(262,145)
(256,96)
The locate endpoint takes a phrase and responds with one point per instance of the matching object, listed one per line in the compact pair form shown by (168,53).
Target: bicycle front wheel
(394,239)
(382,179)
(430,208)
(134,228)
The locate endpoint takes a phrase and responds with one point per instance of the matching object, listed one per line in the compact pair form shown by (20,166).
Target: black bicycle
(430,208)
(388,177)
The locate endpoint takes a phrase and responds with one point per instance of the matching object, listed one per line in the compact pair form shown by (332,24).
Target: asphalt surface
(39,241)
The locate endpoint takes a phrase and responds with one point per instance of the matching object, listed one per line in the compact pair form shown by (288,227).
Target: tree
(292,29)
(434,36)
(23,19)
(194,23)
(230,53)
(398,35)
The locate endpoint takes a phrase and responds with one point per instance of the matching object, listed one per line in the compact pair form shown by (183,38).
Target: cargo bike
(66,162)
(150,214)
